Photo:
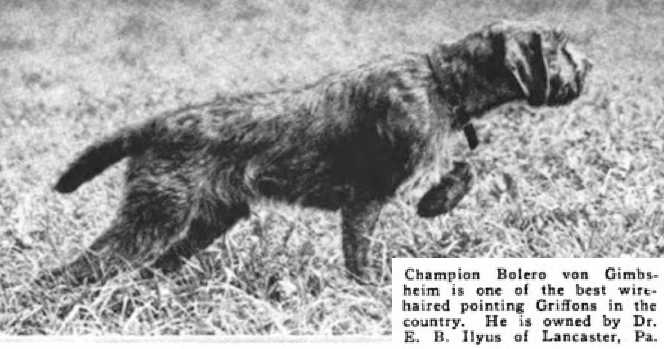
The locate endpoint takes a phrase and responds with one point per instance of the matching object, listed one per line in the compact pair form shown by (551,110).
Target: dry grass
(579,181)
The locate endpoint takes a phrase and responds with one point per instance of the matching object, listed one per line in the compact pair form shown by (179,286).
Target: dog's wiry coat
(346,142)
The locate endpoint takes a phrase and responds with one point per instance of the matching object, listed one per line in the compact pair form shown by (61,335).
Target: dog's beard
(564,92)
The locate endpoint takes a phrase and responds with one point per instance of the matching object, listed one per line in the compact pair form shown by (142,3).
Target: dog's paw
(447,194)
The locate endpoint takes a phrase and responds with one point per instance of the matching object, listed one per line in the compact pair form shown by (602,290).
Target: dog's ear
(524,58)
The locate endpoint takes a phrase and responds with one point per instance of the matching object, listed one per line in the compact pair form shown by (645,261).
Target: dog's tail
(128,141)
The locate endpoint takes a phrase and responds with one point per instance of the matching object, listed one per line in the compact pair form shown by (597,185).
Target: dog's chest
(433,163)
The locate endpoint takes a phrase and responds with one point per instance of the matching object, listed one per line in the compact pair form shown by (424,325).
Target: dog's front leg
(358,222)
(449,191)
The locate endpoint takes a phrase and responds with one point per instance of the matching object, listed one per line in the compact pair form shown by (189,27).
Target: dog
(344,143)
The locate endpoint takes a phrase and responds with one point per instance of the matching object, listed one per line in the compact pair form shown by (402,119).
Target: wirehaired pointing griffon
(345,142)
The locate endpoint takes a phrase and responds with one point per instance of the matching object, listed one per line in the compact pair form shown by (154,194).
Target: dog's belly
(324,182)
(317,189)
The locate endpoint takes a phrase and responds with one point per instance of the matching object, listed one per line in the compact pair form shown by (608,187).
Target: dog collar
(461,120)
(471,136)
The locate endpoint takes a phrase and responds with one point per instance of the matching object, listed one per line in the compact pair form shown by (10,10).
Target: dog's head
(510,60)
(548,69)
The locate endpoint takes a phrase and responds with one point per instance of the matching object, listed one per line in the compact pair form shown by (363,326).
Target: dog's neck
(447,88)
(468,94)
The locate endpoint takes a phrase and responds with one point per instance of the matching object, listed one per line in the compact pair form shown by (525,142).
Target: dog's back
(348,134)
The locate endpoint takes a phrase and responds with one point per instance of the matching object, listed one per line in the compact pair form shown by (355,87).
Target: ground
(586,180)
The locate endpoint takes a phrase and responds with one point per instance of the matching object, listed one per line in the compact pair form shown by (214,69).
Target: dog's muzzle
(568,83)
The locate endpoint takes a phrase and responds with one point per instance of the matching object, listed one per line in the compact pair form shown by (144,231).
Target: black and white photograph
(250,168)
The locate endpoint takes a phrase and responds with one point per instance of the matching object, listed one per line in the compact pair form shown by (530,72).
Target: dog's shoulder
(400,74)
(391,82)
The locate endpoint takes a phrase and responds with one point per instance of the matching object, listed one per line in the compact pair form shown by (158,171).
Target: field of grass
(585,180)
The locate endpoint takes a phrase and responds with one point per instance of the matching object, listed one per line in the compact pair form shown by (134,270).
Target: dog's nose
(583,64)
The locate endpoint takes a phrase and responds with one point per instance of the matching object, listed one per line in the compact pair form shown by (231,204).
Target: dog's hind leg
(210,219)
(358,222)
(93,265)
(155,213)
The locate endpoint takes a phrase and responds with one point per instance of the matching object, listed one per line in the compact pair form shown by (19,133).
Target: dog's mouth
(563,91)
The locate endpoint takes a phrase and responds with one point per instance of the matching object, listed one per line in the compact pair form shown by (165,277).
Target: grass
(585,180)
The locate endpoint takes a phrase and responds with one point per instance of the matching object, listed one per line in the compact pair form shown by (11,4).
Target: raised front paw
(445,195)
